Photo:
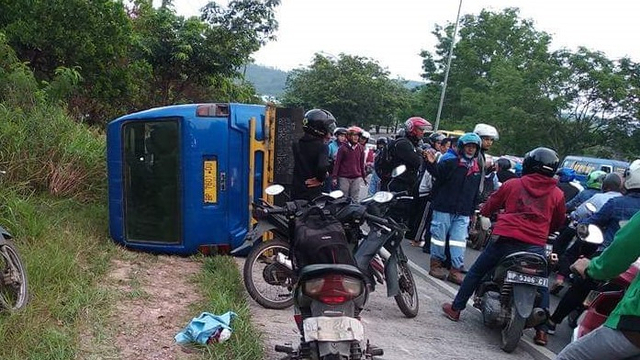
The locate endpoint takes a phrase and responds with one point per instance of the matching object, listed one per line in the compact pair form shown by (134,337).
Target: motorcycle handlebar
(376,219)
(275,211)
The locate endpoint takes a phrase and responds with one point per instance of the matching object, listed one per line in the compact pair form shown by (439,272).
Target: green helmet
(595,179)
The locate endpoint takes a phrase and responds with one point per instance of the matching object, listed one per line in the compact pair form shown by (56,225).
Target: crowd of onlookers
(450,178)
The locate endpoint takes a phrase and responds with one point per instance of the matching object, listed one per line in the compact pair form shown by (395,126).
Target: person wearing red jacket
(533,207)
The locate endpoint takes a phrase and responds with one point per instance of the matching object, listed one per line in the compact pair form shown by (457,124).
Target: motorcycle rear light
(530,271)
(591,297)
(333,289)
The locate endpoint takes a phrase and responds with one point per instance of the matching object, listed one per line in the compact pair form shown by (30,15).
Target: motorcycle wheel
(275,291)
(407,299)
(512,331)
(14,293)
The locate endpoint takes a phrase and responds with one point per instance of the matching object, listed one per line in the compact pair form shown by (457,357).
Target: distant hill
(266,80)
(271,81)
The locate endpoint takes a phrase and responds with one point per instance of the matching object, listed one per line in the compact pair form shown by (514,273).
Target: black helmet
(504,164)
(339,131)
(318,122)
(540,160)
(436,137)
(382,141)
(612,182)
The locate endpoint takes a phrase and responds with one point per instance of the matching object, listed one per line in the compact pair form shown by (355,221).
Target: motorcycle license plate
(339,328)
(518,278)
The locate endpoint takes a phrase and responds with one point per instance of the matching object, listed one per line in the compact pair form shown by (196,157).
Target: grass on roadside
(64,247)
(221,285)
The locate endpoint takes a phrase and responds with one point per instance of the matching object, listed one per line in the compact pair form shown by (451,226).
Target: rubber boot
(437,270)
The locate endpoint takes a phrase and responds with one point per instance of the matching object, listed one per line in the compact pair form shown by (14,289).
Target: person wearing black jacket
(311,154)
(405,152)
(503,165)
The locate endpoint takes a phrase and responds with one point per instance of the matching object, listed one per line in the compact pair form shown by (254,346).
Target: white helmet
(632,175)
(365,135)
(486,130)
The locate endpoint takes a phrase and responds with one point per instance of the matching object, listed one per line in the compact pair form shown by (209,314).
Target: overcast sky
(393,32)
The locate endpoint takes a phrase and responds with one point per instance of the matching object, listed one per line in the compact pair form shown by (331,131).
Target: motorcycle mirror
(274,189)
(594,235)
(336,194)
(382,196)
(591,207)
(399,170)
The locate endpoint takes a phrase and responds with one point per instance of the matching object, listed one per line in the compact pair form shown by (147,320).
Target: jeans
(487,261)
(457,228)
(573,299)
(374,183)
(602,343)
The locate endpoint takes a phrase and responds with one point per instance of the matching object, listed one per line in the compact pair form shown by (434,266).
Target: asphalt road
(428,336)
(555,343)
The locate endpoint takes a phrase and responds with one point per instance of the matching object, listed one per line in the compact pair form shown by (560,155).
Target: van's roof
(596,160)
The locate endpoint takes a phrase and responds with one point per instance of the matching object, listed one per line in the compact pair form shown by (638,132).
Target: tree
(355,89)
(498,76)
(188,57)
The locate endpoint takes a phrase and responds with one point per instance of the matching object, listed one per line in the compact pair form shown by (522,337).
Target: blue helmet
(469,138)
(566,175)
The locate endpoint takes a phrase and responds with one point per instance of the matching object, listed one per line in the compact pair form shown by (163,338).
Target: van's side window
(606,168)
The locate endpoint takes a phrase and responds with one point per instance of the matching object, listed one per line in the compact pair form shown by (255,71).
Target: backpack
(319,239)
(384,161)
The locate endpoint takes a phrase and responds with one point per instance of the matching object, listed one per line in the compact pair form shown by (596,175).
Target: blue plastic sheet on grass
(200,329)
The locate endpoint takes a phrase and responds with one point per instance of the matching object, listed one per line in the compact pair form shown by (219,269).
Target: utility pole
(446,72)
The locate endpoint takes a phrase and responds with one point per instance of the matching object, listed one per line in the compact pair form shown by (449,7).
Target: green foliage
(104,59)
(64,247)
(355,89)
(504,74)
(42,148)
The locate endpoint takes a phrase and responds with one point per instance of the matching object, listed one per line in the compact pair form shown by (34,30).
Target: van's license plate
(518,278)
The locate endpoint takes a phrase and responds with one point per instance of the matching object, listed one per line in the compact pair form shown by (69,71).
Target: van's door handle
(223,181)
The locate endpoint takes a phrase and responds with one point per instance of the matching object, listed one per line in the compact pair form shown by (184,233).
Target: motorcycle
(328,299)
(268,274)
(14,293)
(508,296)
(600,302)
(390,264)
(278,273)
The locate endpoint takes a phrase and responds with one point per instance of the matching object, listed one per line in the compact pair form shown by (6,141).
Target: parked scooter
(328,298)
(509,299)
(268,273)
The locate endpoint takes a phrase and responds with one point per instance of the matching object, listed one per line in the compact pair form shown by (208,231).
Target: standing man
(455,196)
(311,154)
(488,134)
(348,171)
